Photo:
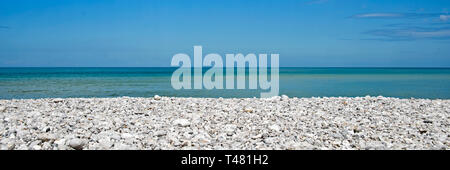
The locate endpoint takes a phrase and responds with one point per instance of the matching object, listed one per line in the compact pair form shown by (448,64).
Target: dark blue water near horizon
(35,82)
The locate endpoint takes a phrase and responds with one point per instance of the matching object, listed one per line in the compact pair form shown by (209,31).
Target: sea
(87,82)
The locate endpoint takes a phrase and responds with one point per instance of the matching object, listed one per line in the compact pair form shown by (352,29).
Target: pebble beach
(172,123)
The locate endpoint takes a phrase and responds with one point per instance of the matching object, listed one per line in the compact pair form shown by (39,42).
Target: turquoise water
(19,83)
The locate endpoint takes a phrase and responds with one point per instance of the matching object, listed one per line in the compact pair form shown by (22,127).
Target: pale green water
(146,82)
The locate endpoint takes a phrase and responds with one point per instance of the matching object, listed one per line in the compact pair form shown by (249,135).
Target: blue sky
(306,33)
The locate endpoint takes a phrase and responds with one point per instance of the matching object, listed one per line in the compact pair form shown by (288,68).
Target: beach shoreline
(280,123)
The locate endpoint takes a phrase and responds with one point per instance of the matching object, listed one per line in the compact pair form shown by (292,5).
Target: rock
(7,144)
(226,123)
(127,135)
(60,142)
(2,108)
(122,146)
(105,143)
(11,146)
(156,97)
(76,144)
(35,114)
(187,135)
(230,129)
(34,143)
(160,133)
(248,110)
(257,136)
(181,122)
(299,146)
(423,131)
(37,147)
(46,146)
(202,139)
(274,127)
(46,137)
(427,121)
(46,129)
(356,129)
(270,140)
(22,147)
(320,112)
(115,136)
(57,100)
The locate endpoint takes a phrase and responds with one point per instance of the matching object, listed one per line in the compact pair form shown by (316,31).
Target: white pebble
(181,122)
(76,144)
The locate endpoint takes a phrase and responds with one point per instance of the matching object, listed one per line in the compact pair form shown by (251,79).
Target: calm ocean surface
(19,83)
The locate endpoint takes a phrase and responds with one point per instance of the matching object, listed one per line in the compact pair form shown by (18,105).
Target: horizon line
(405,67)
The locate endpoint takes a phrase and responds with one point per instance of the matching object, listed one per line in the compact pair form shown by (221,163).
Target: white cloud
(444,17)
(409,33)
(429,34)
(379,15)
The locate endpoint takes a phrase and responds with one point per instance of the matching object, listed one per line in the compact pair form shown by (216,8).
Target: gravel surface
(216,123)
